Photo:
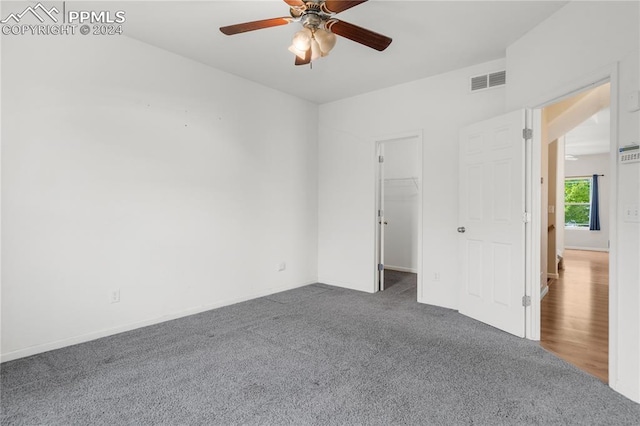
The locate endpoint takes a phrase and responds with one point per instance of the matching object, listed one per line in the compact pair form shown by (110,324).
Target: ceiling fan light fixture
(316,52)
(302,39)
(326,40)
(299,53)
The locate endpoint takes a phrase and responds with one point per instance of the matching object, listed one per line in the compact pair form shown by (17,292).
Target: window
(577,202)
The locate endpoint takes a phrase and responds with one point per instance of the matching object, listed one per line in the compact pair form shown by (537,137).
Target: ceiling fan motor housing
(311,20)
(312,15)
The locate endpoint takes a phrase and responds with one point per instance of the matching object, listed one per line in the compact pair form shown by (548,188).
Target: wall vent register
(488,81)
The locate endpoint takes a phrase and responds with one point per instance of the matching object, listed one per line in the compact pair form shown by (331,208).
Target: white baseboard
(401,269)
(586,248)
(50,346)
(347,285)
(627,388)
(544,292)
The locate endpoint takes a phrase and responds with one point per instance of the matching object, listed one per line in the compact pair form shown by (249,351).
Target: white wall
(582,41)
(582,238)
(401,207)
(440,106)
(560,197)
(125,166)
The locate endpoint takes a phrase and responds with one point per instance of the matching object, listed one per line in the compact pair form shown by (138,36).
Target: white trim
(400,269)
(544,292)
(533,167)
(586,248)
(418,134)
(589,82)
(613,230)
(33,350)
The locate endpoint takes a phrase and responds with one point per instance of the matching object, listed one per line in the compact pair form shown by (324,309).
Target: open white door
(381,221)
(492,222)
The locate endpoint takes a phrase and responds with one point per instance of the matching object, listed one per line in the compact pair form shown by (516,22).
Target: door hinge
(526,217)
(380,212)
(380,267)
(380,159)
(527,134)
(526,301)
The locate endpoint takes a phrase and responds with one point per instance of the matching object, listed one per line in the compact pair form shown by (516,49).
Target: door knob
(461,229)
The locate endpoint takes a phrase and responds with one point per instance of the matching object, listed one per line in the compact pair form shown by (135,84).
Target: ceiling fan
(318,36)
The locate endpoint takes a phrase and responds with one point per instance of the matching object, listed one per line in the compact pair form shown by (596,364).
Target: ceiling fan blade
(255,25)
(295,3)
(337,6)
(358,34)
(305,60)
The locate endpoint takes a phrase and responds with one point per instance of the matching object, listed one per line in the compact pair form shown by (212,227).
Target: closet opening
(398,213)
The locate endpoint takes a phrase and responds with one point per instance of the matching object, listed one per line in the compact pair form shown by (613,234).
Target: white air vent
(497,78)
(487,81)
(479,83)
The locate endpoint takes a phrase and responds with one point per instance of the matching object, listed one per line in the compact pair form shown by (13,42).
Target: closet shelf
(413,180)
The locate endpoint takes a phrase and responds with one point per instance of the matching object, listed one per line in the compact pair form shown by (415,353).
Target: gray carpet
(392,278)
(314,355)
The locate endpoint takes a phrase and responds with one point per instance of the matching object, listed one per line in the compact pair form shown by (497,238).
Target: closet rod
(583,176)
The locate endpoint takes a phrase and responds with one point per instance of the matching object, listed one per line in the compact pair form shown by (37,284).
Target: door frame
(378,141)
(533,197)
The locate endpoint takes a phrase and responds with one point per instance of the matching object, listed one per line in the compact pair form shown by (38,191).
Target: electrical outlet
(114,296)
(436,276)
(631,213)
(282,266)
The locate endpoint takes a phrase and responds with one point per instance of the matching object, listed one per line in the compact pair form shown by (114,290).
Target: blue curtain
(594,218)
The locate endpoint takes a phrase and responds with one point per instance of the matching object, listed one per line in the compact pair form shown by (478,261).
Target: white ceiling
(591,137)
(429,38)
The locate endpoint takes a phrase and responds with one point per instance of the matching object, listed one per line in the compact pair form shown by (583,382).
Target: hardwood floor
(575,313)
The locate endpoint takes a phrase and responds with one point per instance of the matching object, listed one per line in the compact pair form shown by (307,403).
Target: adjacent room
(575,307)
(319,212)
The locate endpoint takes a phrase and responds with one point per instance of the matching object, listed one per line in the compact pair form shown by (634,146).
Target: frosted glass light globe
(326,40)
(302,40)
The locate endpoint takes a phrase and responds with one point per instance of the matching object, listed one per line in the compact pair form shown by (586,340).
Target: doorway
(481,292)
(399,213)
(575,231)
